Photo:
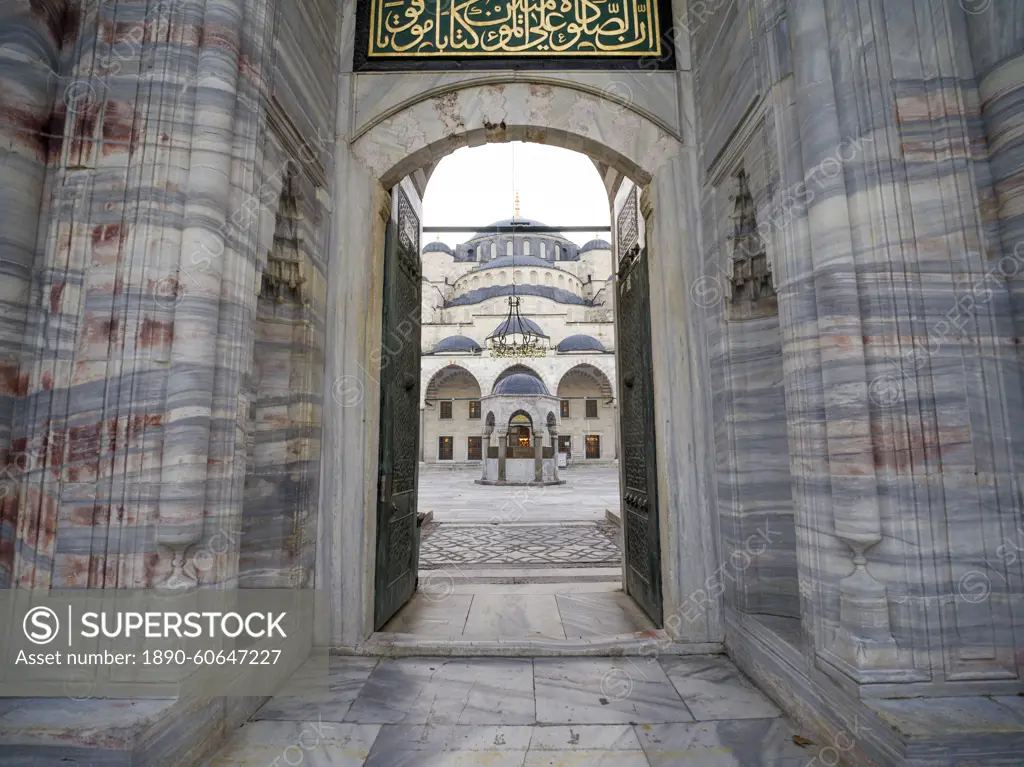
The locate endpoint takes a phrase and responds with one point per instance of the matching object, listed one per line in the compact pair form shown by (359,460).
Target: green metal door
(641,540)
(395,580)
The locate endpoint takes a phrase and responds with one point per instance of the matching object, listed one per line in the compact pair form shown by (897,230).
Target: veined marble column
(502,443)
(554,453)
(29,57)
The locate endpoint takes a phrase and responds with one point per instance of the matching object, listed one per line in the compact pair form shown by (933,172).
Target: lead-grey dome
(437,247)
(520,383)
(519,325)
(512,224)
(596,244)
(580,343)
(456,344)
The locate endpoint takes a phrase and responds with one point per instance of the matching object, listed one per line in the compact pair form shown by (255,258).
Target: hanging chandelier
(516,336)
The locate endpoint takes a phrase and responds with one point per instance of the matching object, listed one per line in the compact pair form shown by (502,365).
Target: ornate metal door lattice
(642,545)
(399,415)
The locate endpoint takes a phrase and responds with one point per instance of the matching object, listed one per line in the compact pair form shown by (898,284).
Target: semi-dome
(580,343)
(456,344)
(520,383)
(596,244)
(511,262)
(437,247)
(519,325)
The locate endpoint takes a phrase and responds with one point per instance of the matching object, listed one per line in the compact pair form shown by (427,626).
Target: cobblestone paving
(588,544)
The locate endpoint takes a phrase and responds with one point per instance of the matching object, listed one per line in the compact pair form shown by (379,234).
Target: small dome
(580,343)
(520,383)
(508,262)
(437,247)
(596,244)
(456,344)
(520,325)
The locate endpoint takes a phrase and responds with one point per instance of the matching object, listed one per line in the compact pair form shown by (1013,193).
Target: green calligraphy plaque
(513,28)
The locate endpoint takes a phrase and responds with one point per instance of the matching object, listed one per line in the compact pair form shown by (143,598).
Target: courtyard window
(591,408)
(593,446)
(474,409)
(565,408)
(475,449)
(565,445)
(446,410)
(446,448)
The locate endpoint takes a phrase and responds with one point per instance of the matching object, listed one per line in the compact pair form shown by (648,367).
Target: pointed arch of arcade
(587,371)
(443,376)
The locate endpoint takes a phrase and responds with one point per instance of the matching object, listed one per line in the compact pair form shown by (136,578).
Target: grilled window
(474,408)
(565,408)
(475,450)
(591,408)
(446,409)
(593,446)
(565,445)
(446,448)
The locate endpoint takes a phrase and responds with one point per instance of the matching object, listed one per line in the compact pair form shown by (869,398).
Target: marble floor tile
(311,744)
(724,743)
(430,615)
(426,745)
(590,745)
(346,678)
(605,691)
(514,616)
(600,614)
(440,691)
(713,688)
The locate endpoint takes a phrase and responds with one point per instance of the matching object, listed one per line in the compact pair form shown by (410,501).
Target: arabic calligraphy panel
(514,28)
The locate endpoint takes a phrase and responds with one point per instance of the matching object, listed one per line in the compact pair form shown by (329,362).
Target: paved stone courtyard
(695,711)
(453,496)
(578,544)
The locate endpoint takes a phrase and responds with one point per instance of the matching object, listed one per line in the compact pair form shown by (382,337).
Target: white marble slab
(713,688)
(605,691)
(433,612)
(439,691)
(600,614)
(419,745)
(303,699)
(312,744)
(514,616)
(741,743)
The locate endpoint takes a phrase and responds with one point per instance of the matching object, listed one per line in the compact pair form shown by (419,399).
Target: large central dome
(512,224)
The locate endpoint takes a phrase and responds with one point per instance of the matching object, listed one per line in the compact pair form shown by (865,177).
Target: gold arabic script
(514,28)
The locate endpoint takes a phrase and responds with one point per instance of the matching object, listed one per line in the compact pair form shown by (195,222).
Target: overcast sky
(476,187)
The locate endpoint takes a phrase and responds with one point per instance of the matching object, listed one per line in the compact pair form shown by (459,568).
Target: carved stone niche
(753,293)
(285,278)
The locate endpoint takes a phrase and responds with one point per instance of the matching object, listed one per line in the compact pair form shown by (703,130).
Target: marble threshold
(641,644)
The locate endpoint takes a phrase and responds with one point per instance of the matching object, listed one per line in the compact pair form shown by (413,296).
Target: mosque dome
(580,343)
(520,383)
(437,247)
(596,244)
(456,344)
(511,224)
(519,325)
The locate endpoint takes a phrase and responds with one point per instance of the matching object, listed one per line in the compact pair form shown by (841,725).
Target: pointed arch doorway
(639,157)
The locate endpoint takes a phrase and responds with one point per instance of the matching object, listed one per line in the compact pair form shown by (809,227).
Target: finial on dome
(517,203)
